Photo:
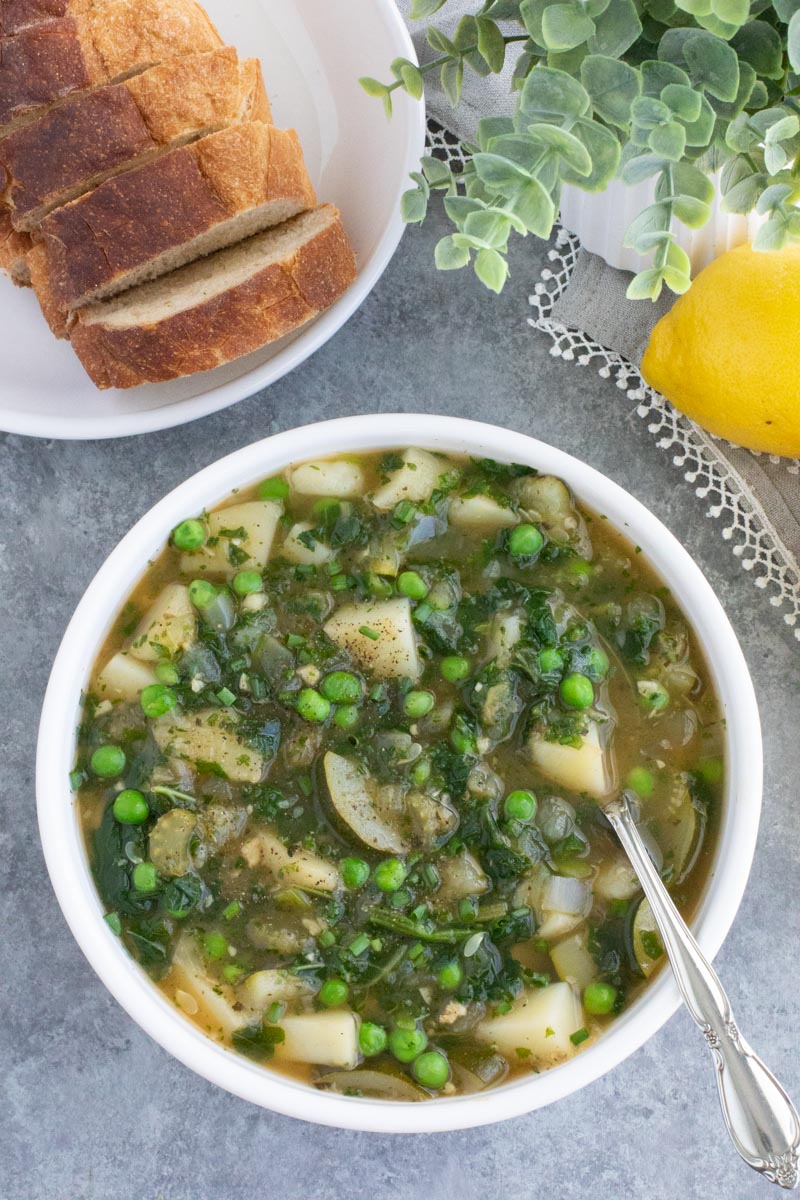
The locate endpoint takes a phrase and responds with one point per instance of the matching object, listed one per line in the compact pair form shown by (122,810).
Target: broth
(341,767)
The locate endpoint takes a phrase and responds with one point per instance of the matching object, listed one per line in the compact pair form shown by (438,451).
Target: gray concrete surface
(91,1109)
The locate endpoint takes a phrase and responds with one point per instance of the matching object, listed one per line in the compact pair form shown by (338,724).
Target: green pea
(189,535)
(454,668)
(431,1069)
(216,944)
(450,976)
(108,761)
(201,593)
(131,808)
(312,706)
(642,782)
(232,973)
(390,874)
(462,740)
(418,704)
(342,687)
(346,716)
(333,993)
(421,772)
(157,699)
(407,1044)
(245,583)
(576,691)
(599,998)
(166,673)
(550,661)
(372,1039)
(524,541)
(355,873)
(273,489)
(520,805)
(410,584)
(597,663)
(145,877)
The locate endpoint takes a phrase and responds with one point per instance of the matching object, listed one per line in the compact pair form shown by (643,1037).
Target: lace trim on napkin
(755,541)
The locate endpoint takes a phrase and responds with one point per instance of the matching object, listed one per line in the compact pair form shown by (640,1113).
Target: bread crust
(97,42)
(16,15)
(108,239)
(269,304)
(14,249)
(94,136)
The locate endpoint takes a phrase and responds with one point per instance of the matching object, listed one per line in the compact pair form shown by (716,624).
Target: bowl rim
(300,345)
(67,862)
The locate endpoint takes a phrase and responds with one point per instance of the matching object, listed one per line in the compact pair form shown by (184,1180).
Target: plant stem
(425,68)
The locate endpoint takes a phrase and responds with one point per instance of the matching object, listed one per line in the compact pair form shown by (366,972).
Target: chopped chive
(372,634)
(76,779)
(113,922)
(226,696)
(294,641)
(275,1012)
(580,1035)
(359,945)
(233,910)
(326,939)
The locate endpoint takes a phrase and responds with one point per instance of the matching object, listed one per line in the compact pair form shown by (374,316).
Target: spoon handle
(761,1119)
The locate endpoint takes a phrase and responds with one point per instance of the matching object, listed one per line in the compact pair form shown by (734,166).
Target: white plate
(313,53)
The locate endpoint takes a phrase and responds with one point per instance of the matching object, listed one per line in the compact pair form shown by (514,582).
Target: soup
(342,764)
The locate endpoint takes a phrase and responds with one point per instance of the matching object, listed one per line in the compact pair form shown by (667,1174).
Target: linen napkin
(761,493)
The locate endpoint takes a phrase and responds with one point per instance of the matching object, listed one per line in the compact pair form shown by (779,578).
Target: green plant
(670,90)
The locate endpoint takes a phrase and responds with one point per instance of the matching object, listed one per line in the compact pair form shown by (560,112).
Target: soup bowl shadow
(66,855)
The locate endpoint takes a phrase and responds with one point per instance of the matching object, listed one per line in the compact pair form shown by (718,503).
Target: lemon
(728,352)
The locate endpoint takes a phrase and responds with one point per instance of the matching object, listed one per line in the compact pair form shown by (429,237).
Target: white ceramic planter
(601,220)
(97,611)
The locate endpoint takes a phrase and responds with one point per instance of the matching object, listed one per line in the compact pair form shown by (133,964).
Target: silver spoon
(761,1119)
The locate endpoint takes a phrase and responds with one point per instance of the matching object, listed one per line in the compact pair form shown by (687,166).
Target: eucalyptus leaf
(492,127)
(458,208)
(682,101)
(554,96)
(689,181)
(773,234)
(701,131)
(422,9)
(786,8)
(668,140)
(534,206)
(793,41)
(604,151)
(491,44)
(616,29)
(691,211)
(564,144)
(642,167)
(713,65)
(732,12)
(676,280)
(412,80)
(452,78)
(414,206)
(658,75)
(436,172)
(449,256)
(492,269)
(759,44)
(647,285)
(648,113)
(490,228)
(497,171)
(565,26)
(612,85)
(653,219)
(773,197)
(743,196)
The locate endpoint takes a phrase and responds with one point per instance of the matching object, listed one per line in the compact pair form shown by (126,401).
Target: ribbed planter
(601,220)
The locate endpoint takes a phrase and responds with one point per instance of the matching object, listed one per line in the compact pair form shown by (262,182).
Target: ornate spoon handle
(761,1119)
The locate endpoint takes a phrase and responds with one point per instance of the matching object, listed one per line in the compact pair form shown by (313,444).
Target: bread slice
(186,204)
(97,42)
(14,248)
(219,308)
(78,145)
(16,15)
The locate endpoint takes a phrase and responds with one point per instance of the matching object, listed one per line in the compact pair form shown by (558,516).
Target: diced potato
(169,842)
(298,552)
(389,649)
(557,924)
(209,737)
(504,633)
(541,1020)
(481,512)
(328,478)
(324,1038)
(216,1001)
(616,880)
(168,627)
(123,678)
(415,480)
(357,801)
(258,518)
(584,768)
(295,868)
(548,502)
(461,875)
(263,988)
(572,960)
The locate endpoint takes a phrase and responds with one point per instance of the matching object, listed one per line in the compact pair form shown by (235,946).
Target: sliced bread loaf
(98,42)
(77,145)
(220,308)
(185,204)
